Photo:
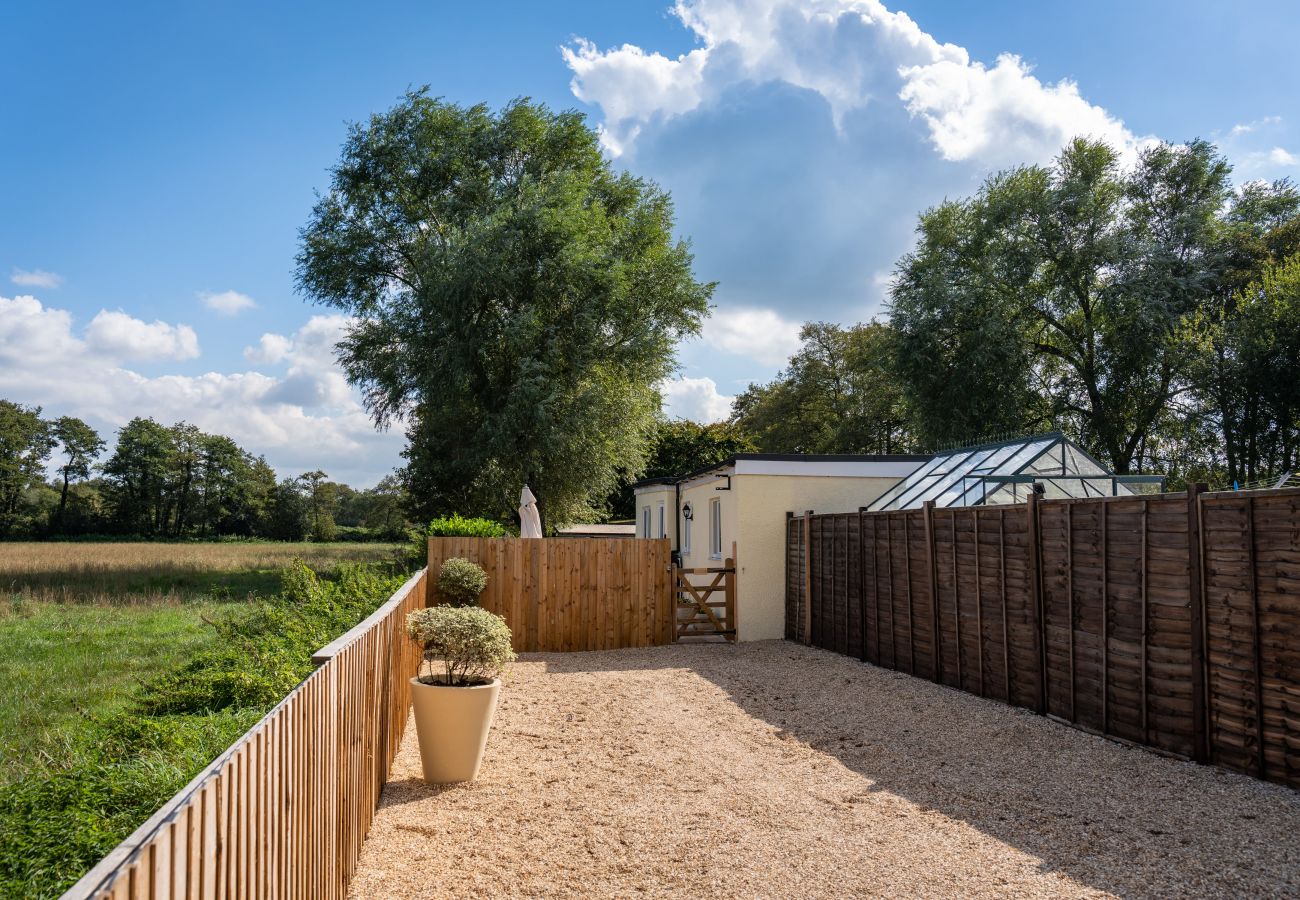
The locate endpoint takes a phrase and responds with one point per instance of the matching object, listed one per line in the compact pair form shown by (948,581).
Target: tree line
(171,482)
(1150,311)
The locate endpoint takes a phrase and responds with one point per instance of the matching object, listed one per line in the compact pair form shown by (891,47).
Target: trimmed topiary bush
(460,582)
(472,644)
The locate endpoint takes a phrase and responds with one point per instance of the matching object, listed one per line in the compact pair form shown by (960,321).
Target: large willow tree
(515,300)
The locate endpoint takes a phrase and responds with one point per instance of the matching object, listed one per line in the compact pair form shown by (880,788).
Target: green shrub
(460,581)
(454,525)
(472,644)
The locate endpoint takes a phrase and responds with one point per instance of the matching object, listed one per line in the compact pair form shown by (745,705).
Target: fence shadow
(1117,818)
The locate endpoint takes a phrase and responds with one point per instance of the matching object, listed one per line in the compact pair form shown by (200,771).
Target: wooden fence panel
(1169,620)
(572,593)
(283,812)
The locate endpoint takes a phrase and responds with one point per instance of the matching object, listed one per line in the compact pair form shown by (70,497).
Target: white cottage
(742,501)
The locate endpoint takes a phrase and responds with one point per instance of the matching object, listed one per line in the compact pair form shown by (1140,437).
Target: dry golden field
(125,572)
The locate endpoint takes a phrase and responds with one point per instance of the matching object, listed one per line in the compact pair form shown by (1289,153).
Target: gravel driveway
(772,770)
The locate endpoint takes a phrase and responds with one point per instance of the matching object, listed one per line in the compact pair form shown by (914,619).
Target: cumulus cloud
(121,336)
(1279,156)
(270,349)
(696,399)
(851,53)
(36,278)
(760,334)
(227,303)
(303,419)
(1248,127)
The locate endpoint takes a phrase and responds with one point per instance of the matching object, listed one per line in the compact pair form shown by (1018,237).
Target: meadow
(118,573)
(82,623)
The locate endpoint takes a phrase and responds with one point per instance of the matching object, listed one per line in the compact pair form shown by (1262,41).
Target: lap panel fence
(1170,620)
(283,812)
(572,593)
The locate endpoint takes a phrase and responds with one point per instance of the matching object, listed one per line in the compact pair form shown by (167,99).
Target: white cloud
(1281,157)
(125,337)
(696,399)
(270,349)
(1248,127)
(759,334)
(852,53)
(36,278)
(227,303)
(308,418)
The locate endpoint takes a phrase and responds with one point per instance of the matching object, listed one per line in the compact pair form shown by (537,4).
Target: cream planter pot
(452,724)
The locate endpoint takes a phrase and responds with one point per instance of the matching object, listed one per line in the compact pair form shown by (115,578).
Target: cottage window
(715,529)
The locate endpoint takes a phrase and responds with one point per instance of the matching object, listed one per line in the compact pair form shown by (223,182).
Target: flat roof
(789,458)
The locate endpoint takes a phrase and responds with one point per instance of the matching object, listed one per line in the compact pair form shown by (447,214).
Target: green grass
(63,664)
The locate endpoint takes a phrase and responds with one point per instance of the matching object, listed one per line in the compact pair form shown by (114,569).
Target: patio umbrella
(530,522)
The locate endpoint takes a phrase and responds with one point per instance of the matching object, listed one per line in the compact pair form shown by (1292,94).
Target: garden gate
(699,615)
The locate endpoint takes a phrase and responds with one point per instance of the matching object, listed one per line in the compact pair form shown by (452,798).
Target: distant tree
(516,301)
(288,512)
(137,477)
(681,446)
(188,446)
(320,494)
(838,394)
(26,442)
(1064,294)
(80,445)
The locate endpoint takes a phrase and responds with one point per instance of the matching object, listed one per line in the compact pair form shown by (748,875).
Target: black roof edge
(788,457)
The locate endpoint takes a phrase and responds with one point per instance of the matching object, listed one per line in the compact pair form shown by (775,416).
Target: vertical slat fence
(567,594)
(283,812)
(1170,620)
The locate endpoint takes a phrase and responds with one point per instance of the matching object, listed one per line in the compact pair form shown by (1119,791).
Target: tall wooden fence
(572,593)
(1171,620)
(283,812)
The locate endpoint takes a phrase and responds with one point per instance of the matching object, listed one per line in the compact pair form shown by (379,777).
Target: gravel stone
(775,770)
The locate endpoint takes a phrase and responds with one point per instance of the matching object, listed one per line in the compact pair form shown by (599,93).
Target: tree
(137,477)
(1064,294)
(680,447)
(838,394)
(80,444)
(515,301)
(320,503)
(26,442)
(288,513)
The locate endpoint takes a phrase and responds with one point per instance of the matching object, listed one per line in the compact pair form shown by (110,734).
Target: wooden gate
(701,614)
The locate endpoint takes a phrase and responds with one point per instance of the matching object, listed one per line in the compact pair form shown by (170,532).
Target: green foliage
(681,446)
(454,525)
(472,644)
(516,300)
(461,581)
(839,394)
(60,821)
(25,443)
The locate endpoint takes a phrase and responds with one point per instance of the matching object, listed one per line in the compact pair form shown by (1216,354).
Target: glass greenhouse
(1005,472)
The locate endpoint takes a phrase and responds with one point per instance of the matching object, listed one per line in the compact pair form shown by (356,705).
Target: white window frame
(645,521)
(686,537)
(715,528)
(663,523)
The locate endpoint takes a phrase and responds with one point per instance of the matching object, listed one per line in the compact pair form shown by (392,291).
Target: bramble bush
(58,822)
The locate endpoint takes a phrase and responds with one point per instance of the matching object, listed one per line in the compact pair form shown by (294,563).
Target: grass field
(82,623)
(132,573)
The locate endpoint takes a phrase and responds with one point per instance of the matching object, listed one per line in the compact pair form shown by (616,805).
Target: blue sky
(158,160)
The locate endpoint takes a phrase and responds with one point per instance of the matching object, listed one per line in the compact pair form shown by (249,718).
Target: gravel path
(773,770)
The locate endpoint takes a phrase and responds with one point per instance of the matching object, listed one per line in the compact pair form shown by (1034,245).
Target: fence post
(862,584)
(1034,562)
(1196,590)
(807,576)
(936,660)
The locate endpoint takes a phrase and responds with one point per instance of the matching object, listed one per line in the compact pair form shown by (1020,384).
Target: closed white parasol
(530,522)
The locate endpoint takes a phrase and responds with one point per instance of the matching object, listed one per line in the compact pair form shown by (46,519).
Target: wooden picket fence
(567,594)
(1170,621)
(283,812)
